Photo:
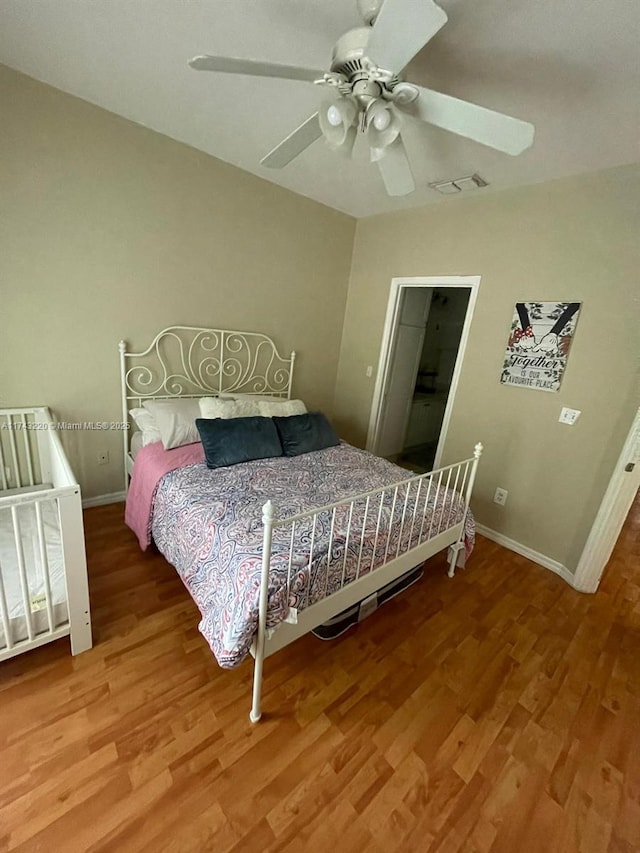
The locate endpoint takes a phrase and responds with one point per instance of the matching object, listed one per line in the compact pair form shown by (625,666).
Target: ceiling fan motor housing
(349,59)
(347,54)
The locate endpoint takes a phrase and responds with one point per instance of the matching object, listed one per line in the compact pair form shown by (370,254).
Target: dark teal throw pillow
(305,433)
(234,440)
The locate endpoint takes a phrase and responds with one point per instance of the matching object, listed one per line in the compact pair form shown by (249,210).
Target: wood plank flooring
(495,713)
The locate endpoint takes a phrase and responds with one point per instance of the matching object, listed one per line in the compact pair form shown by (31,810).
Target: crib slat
(4,612)
(27,449)
(14,452)
(3,474)
(44,560)
(24,585)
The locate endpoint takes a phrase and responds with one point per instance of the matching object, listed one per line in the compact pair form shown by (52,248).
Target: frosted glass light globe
(334,117)
(382,120)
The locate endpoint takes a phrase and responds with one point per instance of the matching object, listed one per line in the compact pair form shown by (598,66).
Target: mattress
(34,570)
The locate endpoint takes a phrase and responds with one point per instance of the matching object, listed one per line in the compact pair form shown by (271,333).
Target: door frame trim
(471,282)
(611,516)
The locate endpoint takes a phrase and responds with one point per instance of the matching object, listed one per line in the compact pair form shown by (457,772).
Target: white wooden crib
(44,594)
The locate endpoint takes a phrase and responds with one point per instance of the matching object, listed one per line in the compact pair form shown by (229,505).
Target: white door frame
(390,324)
(611,516)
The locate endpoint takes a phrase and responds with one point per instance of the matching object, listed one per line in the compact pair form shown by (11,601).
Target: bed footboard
(355,547)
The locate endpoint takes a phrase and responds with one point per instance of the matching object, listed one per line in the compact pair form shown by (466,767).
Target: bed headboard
(186,361)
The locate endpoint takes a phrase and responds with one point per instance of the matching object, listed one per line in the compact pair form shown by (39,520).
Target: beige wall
(111,231)
(572,240)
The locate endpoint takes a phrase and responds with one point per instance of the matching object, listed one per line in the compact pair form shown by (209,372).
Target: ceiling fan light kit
(368,94)
(383,127)
(338,124)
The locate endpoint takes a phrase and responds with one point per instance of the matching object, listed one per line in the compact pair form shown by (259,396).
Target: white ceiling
(571,68)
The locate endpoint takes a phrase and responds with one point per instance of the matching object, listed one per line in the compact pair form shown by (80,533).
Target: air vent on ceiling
(469,182)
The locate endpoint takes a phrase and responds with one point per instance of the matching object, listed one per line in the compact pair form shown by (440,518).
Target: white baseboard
(102,500)
(529,553)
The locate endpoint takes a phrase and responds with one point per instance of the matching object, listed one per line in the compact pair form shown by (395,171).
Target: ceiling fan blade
(502,132)
(229,65)
(294,144)
(402,28)
(395,169)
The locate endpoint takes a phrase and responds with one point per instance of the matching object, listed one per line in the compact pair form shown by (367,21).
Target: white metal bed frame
(223,370)
(204,363)
(41,473)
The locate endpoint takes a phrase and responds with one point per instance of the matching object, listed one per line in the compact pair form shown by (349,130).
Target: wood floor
(496,712)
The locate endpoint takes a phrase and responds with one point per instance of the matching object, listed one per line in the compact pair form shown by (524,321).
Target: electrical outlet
(569,416)
(500,496)
(369,371)
(103,458)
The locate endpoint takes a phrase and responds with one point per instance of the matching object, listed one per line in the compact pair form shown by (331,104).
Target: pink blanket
(151,464)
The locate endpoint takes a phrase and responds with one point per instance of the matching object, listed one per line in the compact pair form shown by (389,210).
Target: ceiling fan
(365,91)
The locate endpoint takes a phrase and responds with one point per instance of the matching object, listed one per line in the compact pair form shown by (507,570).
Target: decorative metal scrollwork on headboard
(184,361)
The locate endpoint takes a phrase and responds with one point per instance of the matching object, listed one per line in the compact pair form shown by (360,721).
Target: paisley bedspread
(208,524)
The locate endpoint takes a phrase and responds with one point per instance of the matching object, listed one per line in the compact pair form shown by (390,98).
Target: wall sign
(539,343)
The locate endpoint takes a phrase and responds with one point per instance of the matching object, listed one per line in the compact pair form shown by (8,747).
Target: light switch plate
(569,416)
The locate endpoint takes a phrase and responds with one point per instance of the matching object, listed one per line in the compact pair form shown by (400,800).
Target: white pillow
(176,420)
(215,407)
(266,398)
(136,443)
(146,424)
(245,408)
(263,398)
(283,409)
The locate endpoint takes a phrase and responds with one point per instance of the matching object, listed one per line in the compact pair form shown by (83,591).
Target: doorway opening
(423,345)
